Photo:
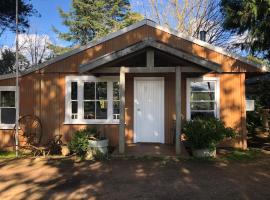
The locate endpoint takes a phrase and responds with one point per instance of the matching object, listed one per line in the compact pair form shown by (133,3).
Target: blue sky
(43,25)
(49,17)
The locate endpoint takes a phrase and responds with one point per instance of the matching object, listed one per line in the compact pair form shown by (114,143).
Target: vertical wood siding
(43,91)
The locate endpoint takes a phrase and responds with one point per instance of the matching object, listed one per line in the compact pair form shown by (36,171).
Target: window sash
(109,101)
(7,89)
(215,90)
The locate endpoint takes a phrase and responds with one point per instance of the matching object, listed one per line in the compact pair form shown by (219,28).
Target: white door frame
(162,102)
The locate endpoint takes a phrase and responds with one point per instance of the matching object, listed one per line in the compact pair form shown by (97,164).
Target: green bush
(206,133)
(79,142)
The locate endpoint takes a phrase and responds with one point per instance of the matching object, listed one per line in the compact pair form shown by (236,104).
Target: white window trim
(80,80)
(7,88)
(217,94)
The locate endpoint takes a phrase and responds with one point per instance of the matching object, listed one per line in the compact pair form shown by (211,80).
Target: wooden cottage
(135,84)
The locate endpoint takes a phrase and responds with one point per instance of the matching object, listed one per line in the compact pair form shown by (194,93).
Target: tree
(8,59)
(190,17)
(34,47)
(57,50)
(91,19)
(8,14)
(250,18)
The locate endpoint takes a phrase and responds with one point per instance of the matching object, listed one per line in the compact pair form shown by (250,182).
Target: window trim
(7,88)
(80,80)
(216,80)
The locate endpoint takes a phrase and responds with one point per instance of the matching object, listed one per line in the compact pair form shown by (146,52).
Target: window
(92,100)
(116,100)
(7,107)
(95,103)
(203,97)
(74,100)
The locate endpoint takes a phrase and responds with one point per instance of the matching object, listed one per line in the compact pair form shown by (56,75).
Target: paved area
(134,179)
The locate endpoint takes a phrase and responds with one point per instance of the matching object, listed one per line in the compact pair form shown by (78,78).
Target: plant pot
(65,150)
(202,153)
(99,146)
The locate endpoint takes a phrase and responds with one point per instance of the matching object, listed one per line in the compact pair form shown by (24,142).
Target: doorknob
(138,109)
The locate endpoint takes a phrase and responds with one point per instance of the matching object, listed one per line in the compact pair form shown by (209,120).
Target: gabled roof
(132,27)
(148,42)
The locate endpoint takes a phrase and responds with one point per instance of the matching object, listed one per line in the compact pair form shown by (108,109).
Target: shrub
(205,133)
(79,142)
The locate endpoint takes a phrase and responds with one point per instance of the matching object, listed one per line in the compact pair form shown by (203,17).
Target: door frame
(163,102)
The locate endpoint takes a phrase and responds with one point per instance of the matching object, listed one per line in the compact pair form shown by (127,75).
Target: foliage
(12,154)
(80,141)
(91,19)
(7,154)
(251,18)
(8,14)
(243,155)
(8,60)
(57,50)
(260,92)
(204,133)
(54,145)
(254,120)
(260,61)
(263,94)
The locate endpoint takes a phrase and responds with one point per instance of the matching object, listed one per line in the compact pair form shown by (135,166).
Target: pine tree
(8,14)
(251,17)
(91,19)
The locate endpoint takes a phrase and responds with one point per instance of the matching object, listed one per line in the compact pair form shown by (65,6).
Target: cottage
(136,84)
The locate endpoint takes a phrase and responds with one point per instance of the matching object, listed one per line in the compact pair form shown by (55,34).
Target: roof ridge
(143,22)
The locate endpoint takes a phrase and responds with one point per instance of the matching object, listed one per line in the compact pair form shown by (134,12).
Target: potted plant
(203,135)
(89,143)
(98,143)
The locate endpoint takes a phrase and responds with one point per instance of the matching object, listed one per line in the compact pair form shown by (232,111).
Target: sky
(48,9)
(43,25)
(49,17)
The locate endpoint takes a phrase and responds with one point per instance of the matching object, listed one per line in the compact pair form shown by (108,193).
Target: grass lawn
(233,175)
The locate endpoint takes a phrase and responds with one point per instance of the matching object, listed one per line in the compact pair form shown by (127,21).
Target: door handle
(138,109)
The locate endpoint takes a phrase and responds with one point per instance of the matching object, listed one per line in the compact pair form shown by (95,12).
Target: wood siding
(43,92)
(49,106)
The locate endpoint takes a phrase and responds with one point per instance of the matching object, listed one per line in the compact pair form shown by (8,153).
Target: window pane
(116,91)
(74,90)
(202,105)
(101,91)
(89,110)
(7,98)
(197,96)
(101,109)
(202,114)
(8,115)
(89,91)
(202,86)
(74,107)
(116,107)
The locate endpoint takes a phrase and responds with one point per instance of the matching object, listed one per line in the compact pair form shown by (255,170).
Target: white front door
(149,109)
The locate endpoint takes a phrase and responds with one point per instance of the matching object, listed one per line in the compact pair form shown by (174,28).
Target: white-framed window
(203,97)
(92,100)
(7,107)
